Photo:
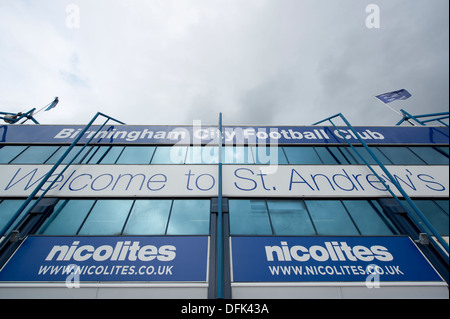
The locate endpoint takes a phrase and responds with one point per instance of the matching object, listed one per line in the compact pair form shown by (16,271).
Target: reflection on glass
(169,155)
(35,155)
(68,218)
(136,155)
(107,217)
(249,217)
(290,217)
(330,218)
(302,155)
(7,153)
(189,217)
(367,219)
(148,217)
(202,155)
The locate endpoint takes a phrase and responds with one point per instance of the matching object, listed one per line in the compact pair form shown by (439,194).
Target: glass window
(366,218)
(268,155)
(430,155)
(330,218)
(444,149)
(35,155)
(290,217)
(237,155)
(353,158)
(107,217)
(148,217)
(368,158)
(67,219)
(169,155)
(443,204)
(136,155)
(338,155)
(189,217)
(8,153)
(110,157)
(96,155)
(57,155)
(7,210)
(434,213)
(249,217)
(400,155)
(327,155)
(202,155)
(302,155)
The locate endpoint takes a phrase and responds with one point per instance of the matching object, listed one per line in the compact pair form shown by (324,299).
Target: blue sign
(329,259)
(138,134)
(160,259)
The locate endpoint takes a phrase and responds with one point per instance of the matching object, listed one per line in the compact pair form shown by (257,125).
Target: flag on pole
(52,105)
(393,96)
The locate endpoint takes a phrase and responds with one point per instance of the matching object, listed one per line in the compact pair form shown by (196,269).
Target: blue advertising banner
(150,259)
(329,259)
(138,134)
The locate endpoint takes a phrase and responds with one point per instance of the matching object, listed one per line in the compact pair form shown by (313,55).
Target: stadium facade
(123,211)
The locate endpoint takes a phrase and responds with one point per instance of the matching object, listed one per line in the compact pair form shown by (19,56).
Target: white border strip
(104,285)
(338,284)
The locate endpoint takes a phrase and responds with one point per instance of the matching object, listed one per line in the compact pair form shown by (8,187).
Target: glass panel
(148,217)
(401,155)
(202,155)
(326,155)
(136,155)
(96,155)
(368,221)
(249,217)
(35,155)
(349,155)
(443,204)
(68,219)
(338,154)
(330,218)
(237,155)
(169,155)
(107,217)
(444,149)
(368,158)
(353,157)
(434,213)
(430,155)
(290,217)
(111,156)
(56,156)
(7,210)
(302,155)
(263,155)
(7,153)
(189,217)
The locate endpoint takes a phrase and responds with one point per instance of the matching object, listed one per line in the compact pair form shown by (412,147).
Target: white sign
(238,181)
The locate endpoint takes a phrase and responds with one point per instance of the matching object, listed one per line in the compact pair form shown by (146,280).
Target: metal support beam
(53,169)
(394,182)
(434,117)
(220,218)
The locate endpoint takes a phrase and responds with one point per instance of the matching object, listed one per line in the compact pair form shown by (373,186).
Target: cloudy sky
(267,62)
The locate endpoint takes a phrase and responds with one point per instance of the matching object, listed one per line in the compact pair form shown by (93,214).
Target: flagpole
(398,112)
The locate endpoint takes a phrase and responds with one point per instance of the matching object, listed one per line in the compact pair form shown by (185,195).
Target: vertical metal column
(220,219)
